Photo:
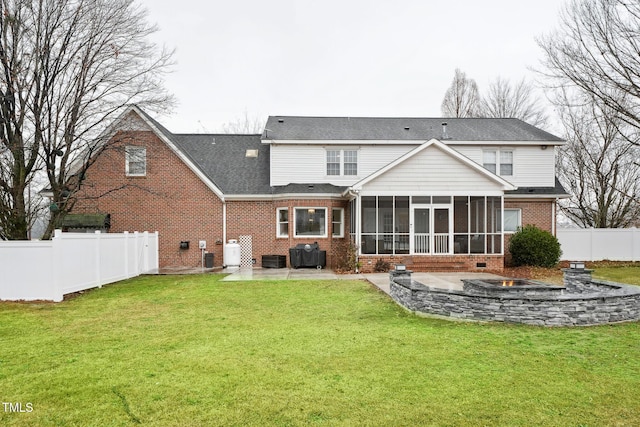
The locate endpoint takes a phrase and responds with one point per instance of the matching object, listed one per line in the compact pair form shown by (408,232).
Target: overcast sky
(338,58)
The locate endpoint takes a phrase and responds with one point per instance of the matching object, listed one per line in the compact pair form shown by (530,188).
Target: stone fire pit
(581,301)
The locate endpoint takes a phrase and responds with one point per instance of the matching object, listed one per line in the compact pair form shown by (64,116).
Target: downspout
(553,217)
(356,195)
(224,223)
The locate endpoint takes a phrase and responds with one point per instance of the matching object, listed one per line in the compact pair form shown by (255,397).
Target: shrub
(535,247)
(348,259)
(382,266)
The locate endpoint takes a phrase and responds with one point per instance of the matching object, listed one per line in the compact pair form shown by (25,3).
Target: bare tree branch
(70,67)
(462,99)
(597,50)
(504,100)
(597,166)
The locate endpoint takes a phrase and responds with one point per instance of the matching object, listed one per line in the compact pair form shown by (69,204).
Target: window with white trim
(135,161)
(333,162)
(489,160)
(342,162)
(282,220)
(337,222)
(498,161)
(512,220)
(506,163)
(310,222)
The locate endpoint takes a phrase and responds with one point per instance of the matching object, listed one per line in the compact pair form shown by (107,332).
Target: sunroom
(431,201)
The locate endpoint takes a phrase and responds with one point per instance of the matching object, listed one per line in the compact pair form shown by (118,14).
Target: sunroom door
(431,230)
(441,230)
(421,221)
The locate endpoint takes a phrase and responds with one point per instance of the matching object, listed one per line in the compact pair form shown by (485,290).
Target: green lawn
(625,274)
(191,350)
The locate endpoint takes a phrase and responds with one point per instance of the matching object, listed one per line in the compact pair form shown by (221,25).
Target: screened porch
(427,225)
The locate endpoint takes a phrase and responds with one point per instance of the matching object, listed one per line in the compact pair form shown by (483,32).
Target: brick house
(407,190)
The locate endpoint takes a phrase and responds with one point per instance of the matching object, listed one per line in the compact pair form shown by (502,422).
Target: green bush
(533,246)
(382,266)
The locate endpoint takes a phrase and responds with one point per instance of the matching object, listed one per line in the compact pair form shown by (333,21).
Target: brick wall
(170,199)
(258,219)
(538,213)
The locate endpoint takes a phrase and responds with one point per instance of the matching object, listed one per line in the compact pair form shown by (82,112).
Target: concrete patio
(380,280)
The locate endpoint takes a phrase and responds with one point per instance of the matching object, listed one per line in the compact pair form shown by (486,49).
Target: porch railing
(421,243)
(441,243)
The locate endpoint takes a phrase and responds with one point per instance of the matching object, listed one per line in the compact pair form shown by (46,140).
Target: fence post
(156,252)
(145,255)
(57,270)
(126,254)
(98,266)
(136,238)
(634,248)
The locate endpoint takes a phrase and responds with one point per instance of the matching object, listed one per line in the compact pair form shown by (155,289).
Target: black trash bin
(307,255)
(208,260)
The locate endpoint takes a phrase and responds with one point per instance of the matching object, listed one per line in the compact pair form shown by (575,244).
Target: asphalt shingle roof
(223,159)
(412,129)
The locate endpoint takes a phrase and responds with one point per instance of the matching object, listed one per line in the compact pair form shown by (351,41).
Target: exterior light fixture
(576,265)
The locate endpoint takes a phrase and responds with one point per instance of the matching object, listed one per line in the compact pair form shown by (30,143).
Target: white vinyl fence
(597,244)
(71,262)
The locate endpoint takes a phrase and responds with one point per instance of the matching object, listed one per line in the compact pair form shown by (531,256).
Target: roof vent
(406,128)
(213,141)
(280,120)
(445,135)
(251,153)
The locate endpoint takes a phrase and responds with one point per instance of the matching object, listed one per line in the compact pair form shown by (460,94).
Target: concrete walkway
(380,280)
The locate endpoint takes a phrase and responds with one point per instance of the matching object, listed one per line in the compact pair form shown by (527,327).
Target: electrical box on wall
(202,244)
(184,244)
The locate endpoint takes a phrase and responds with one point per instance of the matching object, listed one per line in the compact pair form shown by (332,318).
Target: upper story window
(342,162)
(333,162)
(498,161)
(135,161)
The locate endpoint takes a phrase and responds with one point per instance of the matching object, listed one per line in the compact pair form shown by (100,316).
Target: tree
(504,100)
(68,68)
(244,125)
(596,50)
(597,166)
(462,98)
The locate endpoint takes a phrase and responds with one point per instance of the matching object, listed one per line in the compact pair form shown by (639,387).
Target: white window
(506,163)
(350,162)
(342,162)
(310,222)
(489,160)
(136,161)
(333,162)
(337,221)
(512,220)
(498,161)
(282,219)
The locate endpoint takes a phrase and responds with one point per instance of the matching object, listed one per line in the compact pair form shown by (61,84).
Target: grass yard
(191,350)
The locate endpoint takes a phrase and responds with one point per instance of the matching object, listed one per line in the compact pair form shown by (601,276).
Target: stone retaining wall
(584,303)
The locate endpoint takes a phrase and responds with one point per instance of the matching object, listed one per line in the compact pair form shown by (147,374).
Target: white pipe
(224,223)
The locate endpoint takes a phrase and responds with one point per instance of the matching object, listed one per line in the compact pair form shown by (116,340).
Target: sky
(379,58)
